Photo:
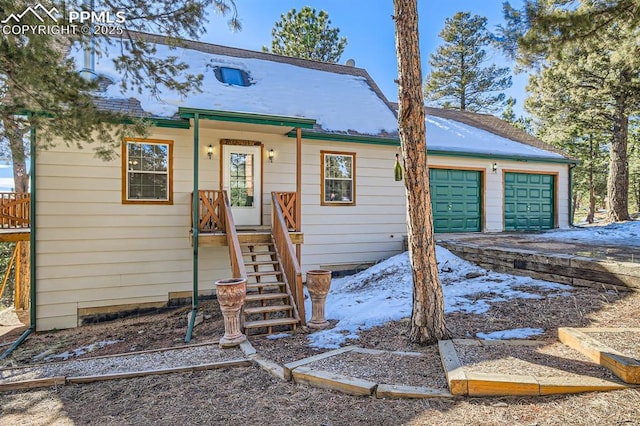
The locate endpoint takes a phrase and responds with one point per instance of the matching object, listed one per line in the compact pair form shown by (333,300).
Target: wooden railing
(14,210)
(287,202)
(211,207)
(235,251)
(214,215)
(287,253)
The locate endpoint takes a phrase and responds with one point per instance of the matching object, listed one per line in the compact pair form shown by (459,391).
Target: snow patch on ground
(45,356)
(625,233)
(514,333)
(384,293)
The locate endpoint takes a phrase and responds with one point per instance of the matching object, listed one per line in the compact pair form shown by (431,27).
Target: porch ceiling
(233,120)
(245,127)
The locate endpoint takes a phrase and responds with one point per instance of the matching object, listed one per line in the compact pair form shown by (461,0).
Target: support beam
(194,220)
(298,190)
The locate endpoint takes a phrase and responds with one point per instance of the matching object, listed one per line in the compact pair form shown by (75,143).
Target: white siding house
(102,247)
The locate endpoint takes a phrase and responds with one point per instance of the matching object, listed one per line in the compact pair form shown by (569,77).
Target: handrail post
(287,254)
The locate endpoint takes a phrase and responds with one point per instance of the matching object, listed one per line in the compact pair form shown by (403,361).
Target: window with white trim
(148,171)
(338,178)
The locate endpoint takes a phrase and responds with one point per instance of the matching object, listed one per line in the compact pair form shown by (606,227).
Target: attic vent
(232,76)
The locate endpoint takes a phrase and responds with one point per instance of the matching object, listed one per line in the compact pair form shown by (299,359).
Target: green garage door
(528,202)
(455,198)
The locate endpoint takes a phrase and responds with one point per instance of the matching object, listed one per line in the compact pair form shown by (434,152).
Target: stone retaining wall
(555,267)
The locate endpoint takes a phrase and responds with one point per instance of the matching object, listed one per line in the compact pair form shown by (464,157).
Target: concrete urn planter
(318,284)
(231,295)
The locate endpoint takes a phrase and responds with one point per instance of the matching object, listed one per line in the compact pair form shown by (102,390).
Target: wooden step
(252,297)
(267,309)
(270,323)
(261,262)
(258,253)
(259,286)
(263,273)
(256,244)
(264,283)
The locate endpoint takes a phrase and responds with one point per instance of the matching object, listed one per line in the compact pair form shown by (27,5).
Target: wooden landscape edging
(463,381)
(299,372)
(62,380)
(334,381)
(626,368)
(456,376)
(142,373)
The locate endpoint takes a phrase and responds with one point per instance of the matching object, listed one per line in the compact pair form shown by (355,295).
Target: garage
(455,198)
(528,201)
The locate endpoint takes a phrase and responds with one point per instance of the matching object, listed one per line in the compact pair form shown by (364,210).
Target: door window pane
(241,182)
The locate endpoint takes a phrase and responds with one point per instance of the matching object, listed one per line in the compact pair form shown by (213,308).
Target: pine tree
(509,115)
(37,77)
(603,35)
(308,35)
(570,119)
(459,78)
(427,317)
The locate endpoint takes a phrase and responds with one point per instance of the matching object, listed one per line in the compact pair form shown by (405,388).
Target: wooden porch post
(298,189)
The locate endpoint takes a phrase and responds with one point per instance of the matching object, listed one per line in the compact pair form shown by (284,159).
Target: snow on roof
(347,101)
(445,134)
(342,99)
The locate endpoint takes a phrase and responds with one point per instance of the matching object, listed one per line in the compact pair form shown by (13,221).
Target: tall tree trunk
(22,282)
(427,318)
(592,191)
(618,179)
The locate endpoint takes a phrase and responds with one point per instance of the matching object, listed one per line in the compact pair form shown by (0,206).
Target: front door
(241,178)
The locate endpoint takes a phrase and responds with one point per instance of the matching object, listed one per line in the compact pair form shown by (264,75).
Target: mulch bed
(625,342)
(543,360)
(240,396)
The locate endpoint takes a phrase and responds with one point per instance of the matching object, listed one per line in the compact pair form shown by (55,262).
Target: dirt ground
(249,395)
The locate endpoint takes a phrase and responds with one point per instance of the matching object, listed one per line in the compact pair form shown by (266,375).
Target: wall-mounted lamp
(210,151)
(494,167)
(271,154)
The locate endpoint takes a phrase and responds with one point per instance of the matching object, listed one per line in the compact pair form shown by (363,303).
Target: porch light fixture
(210,151)
(271,154)
(494,167)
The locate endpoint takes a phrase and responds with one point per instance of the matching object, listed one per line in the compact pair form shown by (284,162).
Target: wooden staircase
(269,305)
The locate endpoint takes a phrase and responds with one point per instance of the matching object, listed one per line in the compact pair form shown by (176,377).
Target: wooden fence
(14,210)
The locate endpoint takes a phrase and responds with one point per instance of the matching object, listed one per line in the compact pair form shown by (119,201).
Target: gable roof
(492,124)
(341,99)
(471,134)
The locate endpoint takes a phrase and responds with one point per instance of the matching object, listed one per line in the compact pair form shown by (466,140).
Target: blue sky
(369,29)
(368,26)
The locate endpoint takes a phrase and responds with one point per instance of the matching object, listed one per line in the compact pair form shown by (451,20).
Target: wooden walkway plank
(271,367)
(186,369)
(333,381)
(456,376)
(568,385)
(289,367)
(484,384)
(414,392)
(32,384)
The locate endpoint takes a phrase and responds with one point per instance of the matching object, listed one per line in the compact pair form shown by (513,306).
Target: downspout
(571,167)
(194,219)
(32,249)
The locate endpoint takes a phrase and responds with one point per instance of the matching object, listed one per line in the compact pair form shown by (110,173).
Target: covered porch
(264,245)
